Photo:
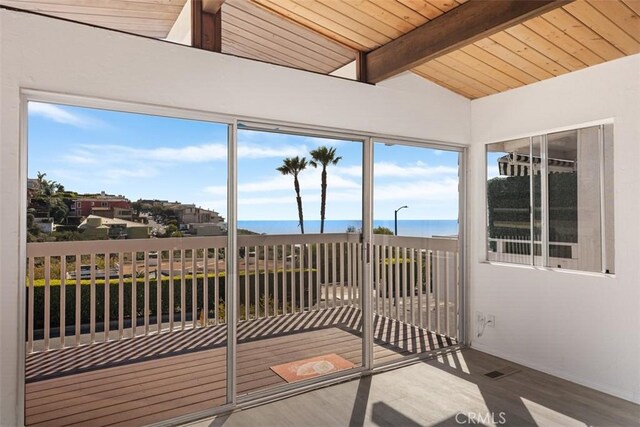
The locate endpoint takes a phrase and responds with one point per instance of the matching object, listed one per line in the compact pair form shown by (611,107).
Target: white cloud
(266,200)
(60,115)
(80,159)
(258,151)
(492,171)
(188,154)
(216,190)
(119,173)
(309,182)
(432,190)
(324,141)
(388,169)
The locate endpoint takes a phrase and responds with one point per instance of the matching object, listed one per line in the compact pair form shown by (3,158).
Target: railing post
(63,299)
(31,306)
(120,295)
(107,296)
(146,291)
(92,299)
(77,299)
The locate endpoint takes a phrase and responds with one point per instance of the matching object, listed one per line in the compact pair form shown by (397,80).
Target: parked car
(152,258)
(85,272)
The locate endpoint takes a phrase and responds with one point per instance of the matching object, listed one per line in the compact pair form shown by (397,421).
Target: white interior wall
(577,326)
(181,30)
(347,71)
(57,56)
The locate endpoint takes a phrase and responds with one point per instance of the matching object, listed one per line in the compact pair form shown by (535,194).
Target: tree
(323,156)
(165,215)
(170,229)
(382,230)
(137,206)
(293,166)
(49,198)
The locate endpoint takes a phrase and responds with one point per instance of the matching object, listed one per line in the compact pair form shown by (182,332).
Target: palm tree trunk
(323,198)
(296,184)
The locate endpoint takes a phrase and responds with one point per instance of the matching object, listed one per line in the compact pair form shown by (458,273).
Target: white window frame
(544,199)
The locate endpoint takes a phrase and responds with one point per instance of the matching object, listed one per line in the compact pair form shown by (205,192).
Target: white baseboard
(630,395)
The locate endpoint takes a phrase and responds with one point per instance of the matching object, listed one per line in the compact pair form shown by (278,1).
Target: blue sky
(141,156)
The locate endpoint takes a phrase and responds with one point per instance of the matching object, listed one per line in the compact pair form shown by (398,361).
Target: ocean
(406,227)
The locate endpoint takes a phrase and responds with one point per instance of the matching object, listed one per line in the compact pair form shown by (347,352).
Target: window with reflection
(550,200)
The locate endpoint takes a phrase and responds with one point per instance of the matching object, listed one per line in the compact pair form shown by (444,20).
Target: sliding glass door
(178,265)
(126,266)
(299,258)
(416,258)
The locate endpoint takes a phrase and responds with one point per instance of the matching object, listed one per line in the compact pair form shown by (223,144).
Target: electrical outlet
(491,320)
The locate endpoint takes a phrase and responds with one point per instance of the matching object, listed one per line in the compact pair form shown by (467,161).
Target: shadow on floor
(505,398)
(359,410)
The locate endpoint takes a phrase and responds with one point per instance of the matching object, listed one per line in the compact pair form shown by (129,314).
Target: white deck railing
(415,280)
(517,250)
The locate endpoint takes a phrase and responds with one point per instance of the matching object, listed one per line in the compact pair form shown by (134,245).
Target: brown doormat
(312,367)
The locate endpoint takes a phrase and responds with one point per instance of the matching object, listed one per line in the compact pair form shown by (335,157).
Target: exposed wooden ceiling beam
(212,6)
(361,67)
(460,26)
(206,27)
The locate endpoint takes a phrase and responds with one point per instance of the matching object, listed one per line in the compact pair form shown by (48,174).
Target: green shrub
(139,284)
(508,203)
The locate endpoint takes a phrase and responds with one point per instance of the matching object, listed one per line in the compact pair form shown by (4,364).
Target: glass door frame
(234,123)
(32,95)
(367,335)
(463,155)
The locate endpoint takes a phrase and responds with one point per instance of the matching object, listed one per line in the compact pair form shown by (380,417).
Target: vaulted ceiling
(474,48)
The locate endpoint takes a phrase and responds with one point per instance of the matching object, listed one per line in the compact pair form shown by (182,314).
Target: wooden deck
(149,379)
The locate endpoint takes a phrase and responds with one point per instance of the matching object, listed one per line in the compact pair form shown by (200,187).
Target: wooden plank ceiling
(360,24)
(575,36)
(248,30)
(323,35)
(151,18)
(252,32)
(578,35)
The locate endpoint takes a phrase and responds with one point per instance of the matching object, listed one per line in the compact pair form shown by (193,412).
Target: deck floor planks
(210,361)
(153,390)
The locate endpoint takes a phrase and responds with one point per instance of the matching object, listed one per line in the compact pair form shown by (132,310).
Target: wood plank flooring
(150,379)
(447,391)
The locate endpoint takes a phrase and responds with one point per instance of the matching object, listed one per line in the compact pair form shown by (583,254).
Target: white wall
(52,55)
(580,327)
(347,71)
(181,30)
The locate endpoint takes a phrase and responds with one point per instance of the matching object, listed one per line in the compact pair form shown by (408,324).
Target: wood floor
(150,379)
(451,390)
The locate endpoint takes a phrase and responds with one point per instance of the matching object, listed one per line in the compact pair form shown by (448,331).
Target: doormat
(312,367)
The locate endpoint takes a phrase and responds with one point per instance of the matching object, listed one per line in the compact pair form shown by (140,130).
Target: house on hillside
(197,220)
(113,228)
(190,214)
(103,205)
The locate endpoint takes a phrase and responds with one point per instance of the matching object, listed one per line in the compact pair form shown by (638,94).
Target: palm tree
(293,166)
(48,192)
(323,156)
